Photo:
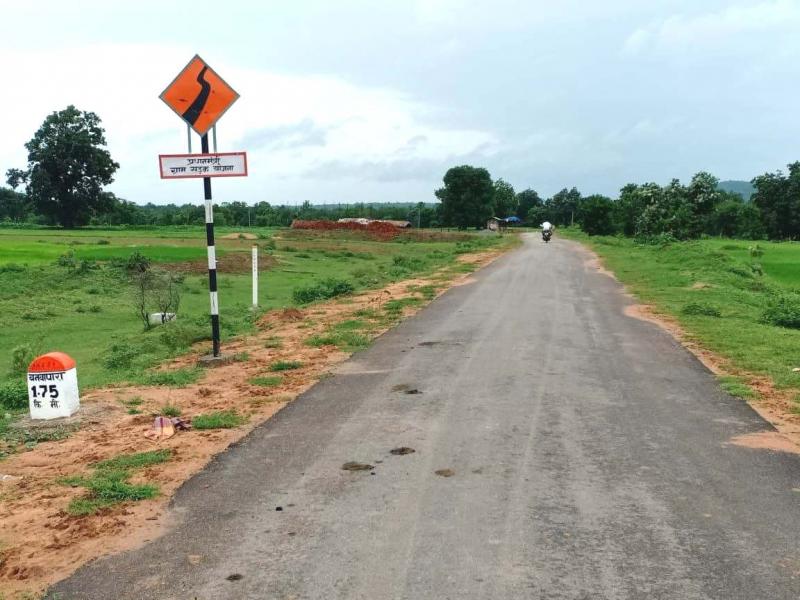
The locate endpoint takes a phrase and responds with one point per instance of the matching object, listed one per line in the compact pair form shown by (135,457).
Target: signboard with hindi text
(187,166)
(52,384)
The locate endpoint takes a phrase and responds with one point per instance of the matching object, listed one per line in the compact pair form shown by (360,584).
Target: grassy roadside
(726,294)
(85,307)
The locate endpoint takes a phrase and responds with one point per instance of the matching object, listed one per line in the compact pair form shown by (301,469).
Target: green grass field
(84,306)
(719,293)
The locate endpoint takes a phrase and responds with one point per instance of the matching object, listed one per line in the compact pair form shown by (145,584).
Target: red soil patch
(766,440)
(230,262)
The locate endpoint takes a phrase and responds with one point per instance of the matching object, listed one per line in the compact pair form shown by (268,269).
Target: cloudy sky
(373,100)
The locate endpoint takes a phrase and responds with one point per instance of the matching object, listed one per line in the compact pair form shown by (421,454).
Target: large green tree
(563,206)
(778,198)
(505,199)
(467,197)
(14,206)
(526,200)
(596,215)
(68,165)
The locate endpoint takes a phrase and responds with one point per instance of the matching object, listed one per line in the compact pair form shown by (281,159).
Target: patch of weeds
(324,290)
(367,313)
(302,255)
(407,263)
(170,410)
(701,309)
(266,381)
(226,419)
(428,291)
(95,308)
(464,268)
(134,411)
(366,277)
(285,365)
(176,378)
(273,342)
(109,485)
(241,357)
(93,291)
(350,325)
(13,395)
(736,387)
(135,461)
(30,438)
(396,307)
(348,341)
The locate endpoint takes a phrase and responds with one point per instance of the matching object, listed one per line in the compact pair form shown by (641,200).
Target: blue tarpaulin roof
(512,220)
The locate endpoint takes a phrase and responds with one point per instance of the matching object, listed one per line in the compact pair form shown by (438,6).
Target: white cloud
(327,118)
(688,32)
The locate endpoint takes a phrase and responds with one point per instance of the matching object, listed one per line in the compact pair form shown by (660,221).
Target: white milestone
(53,386)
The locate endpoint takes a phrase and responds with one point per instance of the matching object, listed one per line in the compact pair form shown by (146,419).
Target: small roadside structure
(53,386)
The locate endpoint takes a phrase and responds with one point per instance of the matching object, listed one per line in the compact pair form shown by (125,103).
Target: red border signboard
(189,166)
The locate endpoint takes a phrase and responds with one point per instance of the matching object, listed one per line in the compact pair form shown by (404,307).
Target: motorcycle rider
(547,230)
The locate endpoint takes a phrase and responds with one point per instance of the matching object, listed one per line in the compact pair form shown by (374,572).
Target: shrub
(700,309)
(13,395)
(783,312)
(179,336)
(120,356)
(21,357)
(408,263)
(67,260)
(137,263)
(324,290)
(170,410)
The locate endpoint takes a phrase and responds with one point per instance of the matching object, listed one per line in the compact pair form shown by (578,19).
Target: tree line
(470,197)
(68,167)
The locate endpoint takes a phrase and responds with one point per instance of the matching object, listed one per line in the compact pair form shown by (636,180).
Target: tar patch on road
(445,472)
(406,389)
(235,577)
(402,451)
(356,466)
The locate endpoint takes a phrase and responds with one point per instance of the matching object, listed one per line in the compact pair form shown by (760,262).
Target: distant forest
(767,207)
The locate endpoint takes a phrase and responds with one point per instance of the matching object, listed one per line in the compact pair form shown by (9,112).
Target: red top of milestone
(51,362)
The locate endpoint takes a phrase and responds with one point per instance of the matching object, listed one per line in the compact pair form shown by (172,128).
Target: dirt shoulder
(41,543)
(773,404)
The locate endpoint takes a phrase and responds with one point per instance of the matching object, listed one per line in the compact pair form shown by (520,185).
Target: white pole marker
(255,276)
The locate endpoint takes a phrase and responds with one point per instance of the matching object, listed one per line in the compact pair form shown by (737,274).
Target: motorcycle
(546,235)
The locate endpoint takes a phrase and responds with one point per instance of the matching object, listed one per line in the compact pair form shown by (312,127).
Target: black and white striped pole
(212,255)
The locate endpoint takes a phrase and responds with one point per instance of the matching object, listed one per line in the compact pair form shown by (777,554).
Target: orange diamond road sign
(199,96)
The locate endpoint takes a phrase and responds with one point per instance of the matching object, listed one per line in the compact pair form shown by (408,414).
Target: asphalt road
(588,456)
